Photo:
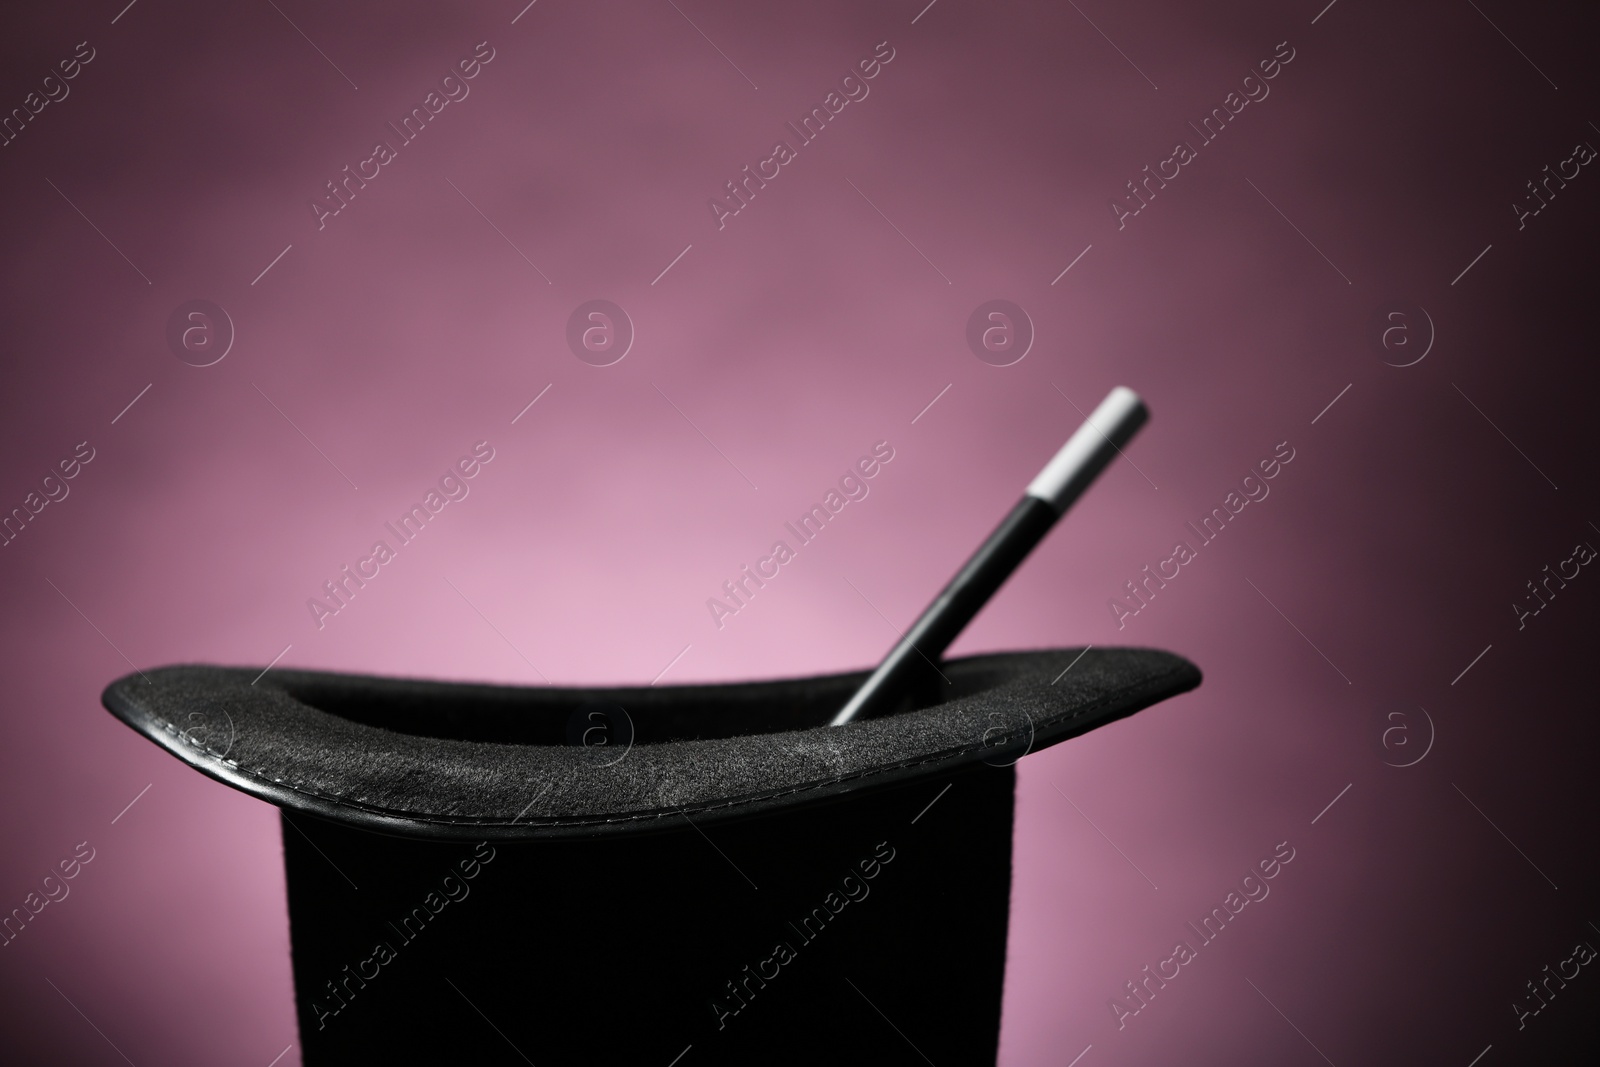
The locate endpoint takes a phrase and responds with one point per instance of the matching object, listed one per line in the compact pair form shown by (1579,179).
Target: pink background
(794,338)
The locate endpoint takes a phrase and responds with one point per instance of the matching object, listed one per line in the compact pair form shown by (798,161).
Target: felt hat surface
(696,874)
(474,762)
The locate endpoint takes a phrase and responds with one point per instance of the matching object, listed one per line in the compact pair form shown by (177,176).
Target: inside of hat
(635,716)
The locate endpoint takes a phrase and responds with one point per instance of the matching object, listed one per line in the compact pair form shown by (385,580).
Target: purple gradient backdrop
(804,331)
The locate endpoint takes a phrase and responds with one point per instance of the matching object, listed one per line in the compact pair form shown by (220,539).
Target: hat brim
(464,761)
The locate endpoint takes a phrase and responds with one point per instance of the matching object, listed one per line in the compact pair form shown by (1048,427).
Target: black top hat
(486,874)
